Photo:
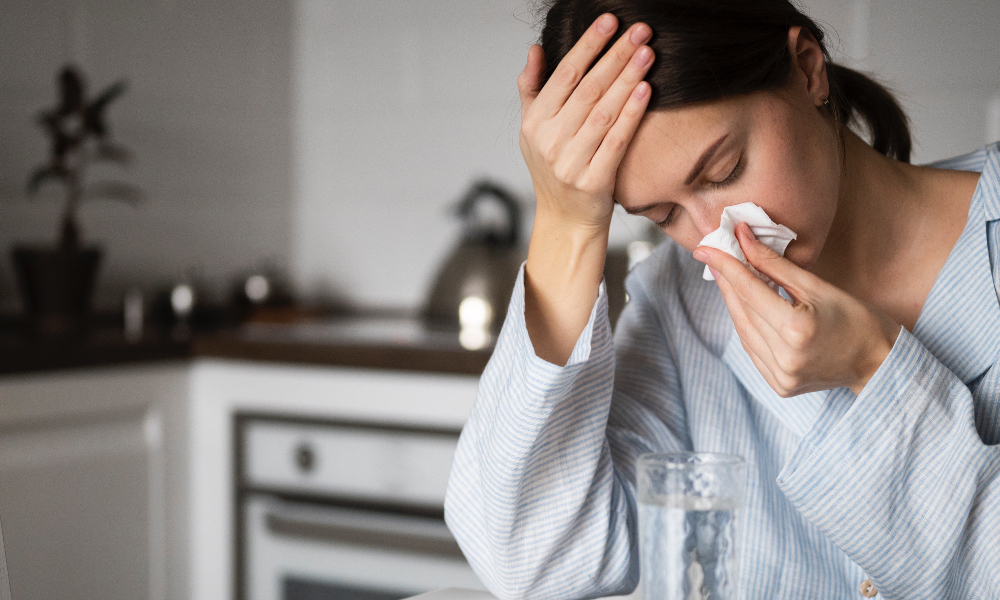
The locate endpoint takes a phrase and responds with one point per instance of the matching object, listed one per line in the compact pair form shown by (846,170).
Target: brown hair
(711,49)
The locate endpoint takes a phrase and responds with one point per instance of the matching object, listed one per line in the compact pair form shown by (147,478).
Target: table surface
(455,594)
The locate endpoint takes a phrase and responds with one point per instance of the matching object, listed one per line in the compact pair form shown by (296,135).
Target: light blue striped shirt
(898,485)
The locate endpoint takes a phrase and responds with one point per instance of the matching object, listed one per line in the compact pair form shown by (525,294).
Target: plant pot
(56,286)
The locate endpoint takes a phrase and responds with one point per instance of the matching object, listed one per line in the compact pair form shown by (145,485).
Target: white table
(455,594)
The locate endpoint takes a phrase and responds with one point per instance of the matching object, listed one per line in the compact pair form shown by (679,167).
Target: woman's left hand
(825,338)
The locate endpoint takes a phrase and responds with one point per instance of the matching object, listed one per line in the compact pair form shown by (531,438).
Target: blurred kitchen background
(323,146)
(329,139)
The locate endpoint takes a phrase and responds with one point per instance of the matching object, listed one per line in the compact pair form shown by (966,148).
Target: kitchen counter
(396,343)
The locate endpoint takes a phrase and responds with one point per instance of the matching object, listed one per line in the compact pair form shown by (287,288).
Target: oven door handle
(332,529)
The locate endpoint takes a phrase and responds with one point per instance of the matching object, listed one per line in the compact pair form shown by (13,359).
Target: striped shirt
(898,485)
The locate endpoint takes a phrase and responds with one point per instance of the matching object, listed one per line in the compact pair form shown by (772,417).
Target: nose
(706,218)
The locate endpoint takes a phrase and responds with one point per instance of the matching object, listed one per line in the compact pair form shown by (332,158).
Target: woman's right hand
(574,133)
(575,130)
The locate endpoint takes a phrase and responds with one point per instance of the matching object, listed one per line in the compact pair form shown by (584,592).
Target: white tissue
(774,236)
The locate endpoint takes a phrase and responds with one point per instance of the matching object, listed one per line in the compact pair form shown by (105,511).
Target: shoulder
(986,160)
(972,161)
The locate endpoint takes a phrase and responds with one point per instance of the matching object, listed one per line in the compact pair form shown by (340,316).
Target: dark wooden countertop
(398,344)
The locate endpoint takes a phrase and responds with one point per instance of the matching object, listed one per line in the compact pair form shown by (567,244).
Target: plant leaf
(93,114)
(115,190)
(71,90)
(41,175)
(110,93)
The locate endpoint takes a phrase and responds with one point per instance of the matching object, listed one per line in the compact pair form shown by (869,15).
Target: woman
(867,406)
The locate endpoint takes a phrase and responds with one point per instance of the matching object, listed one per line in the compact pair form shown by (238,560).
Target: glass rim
(683,460)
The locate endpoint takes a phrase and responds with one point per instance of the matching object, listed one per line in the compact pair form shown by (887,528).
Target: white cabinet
(89,472)
(117,484)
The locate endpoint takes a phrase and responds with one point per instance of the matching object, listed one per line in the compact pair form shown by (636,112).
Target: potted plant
(57,282)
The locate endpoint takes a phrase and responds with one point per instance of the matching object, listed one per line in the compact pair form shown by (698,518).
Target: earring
(826,101)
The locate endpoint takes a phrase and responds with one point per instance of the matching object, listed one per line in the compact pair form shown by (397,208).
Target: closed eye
(731,178)
(669,219)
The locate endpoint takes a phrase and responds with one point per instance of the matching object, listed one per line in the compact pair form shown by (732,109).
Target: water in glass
(688,527)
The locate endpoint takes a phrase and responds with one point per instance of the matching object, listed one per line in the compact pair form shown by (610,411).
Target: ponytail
(854,95)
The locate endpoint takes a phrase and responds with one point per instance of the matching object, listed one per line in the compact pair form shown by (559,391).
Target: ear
(809,63)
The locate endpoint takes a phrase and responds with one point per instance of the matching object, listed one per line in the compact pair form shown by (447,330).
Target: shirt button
(868,589)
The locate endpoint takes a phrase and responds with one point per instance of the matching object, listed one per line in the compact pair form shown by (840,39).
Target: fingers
(760,342)
(751,290)
(766,372)
(609,109)
(793,327)
(757,336)
(614,143)
(575,87)
(529,82)
(574,65)
(615,75)
(796,281)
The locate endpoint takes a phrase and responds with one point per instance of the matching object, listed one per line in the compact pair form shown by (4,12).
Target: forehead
(668,144)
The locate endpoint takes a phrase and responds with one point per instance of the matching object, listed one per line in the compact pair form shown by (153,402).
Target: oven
(338,510)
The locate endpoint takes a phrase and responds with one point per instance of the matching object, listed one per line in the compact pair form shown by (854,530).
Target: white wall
(331,137)
(398,106)
(940,58)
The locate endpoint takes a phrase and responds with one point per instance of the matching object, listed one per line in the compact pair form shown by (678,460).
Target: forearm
(561,282)
(532,485)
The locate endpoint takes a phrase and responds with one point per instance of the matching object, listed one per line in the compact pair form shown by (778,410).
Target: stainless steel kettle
(473,287)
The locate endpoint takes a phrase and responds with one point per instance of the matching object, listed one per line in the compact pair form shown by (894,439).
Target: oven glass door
(299,551)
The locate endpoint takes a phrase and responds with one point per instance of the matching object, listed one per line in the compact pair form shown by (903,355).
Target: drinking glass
(689,525)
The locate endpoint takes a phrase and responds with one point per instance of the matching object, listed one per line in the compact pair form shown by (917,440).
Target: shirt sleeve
(535,499)
(900,479)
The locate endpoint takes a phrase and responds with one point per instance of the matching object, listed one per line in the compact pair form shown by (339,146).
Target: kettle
(473,287)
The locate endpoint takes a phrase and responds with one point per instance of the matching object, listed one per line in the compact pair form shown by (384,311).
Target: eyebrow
(695,172)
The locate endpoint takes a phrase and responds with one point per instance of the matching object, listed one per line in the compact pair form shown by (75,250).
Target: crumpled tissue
(774,236)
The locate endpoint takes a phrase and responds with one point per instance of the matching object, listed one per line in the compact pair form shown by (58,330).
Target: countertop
(397,343)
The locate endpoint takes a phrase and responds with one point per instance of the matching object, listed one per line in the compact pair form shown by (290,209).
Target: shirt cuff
(854,442)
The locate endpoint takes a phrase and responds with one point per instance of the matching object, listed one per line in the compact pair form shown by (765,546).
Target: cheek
(800,192)
(794,200)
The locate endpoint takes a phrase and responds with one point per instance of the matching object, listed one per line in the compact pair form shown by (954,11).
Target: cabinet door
(75,509)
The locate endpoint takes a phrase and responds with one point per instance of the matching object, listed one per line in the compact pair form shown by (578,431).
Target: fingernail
(750,233)
(641,34)
(641,90)
(643,56)
(714,273)
(701,255)
(606,24)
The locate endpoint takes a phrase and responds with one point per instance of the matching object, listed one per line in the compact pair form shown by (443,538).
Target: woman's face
(775,149)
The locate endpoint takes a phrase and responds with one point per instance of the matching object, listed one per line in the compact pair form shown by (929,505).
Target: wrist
(581,228)
(877,353)
(567,251)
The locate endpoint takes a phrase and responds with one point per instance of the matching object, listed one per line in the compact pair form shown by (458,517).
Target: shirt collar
(960,321)
(990,187)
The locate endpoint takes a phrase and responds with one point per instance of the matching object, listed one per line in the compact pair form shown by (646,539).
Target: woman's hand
(574,133)
(825,338)
(575,130)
